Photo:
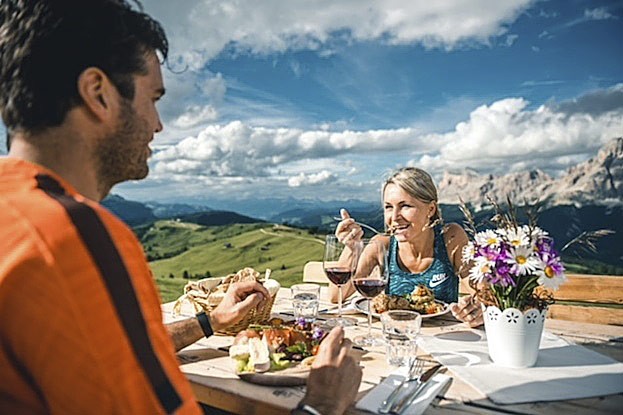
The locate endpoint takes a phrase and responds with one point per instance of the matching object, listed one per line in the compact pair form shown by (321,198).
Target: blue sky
(320,99)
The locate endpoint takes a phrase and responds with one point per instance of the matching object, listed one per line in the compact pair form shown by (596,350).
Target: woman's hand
(347,231)
(468,310)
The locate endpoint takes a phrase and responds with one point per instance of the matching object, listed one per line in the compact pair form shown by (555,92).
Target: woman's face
(406,215)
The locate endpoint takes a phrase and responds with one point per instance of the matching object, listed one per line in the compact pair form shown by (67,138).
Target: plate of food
(278,354)
(421,300)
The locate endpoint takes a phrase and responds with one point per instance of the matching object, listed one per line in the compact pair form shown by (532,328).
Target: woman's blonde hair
(418,184)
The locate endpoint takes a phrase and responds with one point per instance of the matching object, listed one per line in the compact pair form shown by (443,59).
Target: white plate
(362,305)
(292,376)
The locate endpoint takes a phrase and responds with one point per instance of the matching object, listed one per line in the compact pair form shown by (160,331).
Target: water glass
(305,301)
(400,330)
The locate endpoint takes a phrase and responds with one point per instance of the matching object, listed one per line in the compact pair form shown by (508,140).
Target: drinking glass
(400,329)
(370,280)
(339,264)
(305,302)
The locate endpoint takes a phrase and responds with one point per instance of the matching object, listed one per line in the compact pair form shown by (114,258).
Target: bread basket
(206,294)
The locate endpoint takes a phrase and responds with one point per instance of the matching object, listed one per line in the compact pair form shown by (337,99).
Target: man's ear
(97,92)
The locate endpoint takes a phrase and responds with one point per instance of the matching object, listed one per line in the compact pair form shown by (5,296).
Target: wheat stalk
(588,239)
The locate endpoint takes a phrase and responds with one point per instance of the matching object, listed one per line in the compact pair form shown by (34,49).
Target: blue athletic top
(439,277)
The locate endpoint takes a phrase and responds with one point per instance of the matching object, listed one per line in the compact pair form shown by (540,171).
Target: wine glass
(339,264)
(370,280)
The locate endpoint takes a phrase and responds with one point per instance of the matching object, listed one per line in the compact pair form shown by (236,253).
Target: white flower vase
(513,337)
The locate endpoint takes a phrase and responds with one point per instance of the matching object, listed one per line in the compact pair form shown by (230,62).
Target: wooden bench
(589,298)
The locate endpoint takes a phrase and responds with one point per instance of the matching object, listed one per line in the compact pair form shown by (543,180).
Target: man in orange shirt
(80,321)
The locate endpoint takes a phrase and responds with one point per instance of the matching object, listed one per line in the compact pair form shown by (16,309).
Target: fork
(363,225)
(415,369)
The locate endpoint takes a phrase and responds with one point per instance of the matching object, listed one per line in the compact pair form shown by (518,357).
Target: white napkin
(562,371)
(377,395)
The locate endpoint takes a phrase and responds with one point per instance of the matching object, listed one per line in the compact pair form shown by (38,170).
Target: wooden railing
(586,298)
(589,298)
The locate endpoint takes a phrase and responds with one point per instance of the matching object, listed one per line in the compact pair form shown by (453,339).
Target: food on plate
(277,346)
(421,299)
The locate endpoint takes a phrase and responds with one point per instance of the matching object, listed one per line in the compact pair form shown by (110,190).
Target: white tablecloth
(562,371)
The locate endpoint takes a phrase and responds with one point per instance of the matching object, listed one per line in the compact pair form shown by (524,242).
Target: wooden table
(210,371)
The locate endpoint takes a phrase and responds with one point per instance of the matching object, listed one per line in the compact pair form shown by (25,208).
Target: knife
(408,400)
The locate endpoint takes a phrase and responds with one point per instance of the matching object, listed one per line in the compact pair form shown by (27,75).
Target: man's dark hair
(46,44)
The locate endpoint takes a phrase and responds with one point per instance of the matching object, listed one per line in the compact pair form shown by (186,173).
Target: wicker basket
(206,294)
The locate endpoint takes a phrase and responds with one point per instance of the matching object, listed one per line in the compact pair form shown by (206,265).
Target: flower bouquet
(509,266)
(513,262)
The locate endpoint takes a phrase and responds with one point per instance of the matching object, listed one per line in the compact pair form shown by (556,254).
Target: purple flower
(489,252)
(553,262)
(318,334)
(503,279)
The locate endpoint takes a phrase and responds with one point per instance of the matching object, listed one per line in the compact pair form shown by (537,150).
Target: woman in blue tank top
(420,249)
(440,276)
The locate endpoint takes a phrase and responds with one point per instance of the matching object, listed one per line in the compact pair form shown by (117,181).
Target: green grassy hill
(179,248)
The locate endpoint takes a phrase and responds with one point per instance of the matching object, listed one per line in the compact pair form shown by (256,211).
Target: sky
(322,99)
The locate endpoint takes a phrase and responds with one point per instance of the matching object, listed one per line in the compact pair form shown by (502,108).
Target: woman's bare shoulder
(453,228)
(454,233)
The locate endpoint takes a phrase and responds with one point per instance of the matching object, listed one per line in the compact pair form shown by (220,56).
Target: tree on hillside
(185,275)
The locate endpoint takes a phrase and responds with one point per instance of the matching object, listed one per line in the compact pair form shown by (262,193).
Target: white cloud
(200,29)
(506,135)
(196,115)
(510,40)
(315,179)
(600,13)
(214,88)
(236,149)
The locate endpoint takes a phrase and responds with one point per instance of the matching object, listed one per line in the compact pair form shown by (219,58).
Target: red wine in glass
(339,275)
(370,287)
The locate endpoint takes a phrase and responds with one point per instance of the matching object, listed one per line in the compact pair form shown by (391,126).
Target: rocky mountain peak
(597,181)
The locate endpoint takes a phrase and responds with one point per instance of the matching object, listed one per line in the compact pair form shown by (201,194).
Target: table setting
(209,367)
(416,357)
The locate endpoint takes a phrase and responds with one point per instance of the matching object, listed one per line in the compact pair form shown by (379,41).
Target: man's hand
(468,310)
(335,376)
(239,299)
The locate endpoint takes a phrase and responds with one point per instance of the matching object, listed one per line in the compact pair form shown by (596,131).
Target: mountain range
(595,182)
(589,196)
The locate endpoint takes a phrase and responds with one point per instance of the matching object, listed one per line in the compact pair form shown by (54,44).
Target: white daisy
(517,236)
(538,233)
(522,261)
(487,238)
(548,277)
(468,252)
(481,267)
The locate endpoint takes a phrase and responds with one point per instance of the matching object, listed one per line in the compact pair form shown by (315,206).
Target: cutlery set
(393,405)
